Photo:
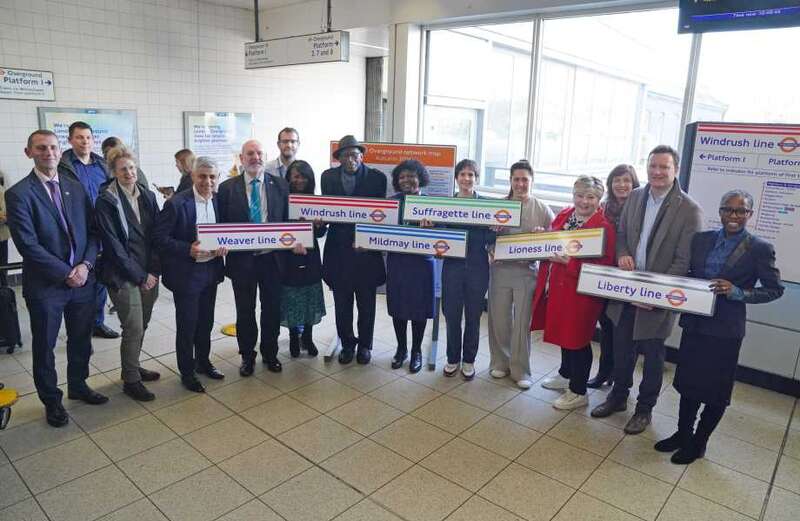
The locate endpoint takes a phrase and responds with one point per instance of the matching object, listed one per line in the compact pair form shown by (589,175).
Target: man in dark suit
(51,221)
(350,272)
(255,196)
(191,273)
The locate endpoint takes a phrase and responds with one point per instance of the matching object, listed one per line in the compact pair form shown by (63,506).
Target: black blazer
(41,238)
(753,260)
(175,231)
(342,264)
(234,207)
(127,257)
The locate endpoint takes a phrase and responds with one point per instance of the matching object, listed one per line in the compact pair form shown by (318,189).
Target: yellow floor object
(229,330)
(8,397)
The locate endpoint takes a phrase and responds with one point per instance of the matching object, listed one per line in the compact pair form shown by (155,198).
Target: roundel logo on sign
(377,215)
(2,72)
(287,239)
(573,246)
(441,247)
(788,144)
(502,216)
(676,297)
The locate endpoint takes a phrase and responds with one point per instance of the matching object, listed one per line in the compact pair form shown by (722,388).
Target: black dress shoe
(87,395)
(148,375)
(687,454)
(138,392)
(309,346)
(247,367)
(671,444)
(103,331)
(56,415)
(364,355)
(193,384)
(599,381)
(273,365)
(398,359)
(210,371)
(346,355)
(415,364)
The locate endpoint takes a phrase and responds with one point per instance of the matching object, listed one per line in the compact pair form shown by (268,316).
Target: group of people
(97,225)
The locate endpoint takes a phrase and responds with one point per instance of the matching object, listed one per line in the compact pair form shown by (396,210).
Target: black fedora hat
(348,142)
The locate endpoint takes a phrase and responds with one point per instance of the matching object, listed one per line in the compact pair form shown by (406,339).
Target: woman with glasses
(734,260)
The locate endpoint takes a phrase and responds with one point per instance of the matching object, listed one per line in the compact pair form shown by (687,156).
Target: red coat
(567,317)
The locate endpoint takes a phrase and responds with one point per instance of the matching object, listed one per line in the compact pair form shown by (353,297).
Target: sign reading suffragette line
(584,242)
(453,210)
(682,294)
(410,239)
(255,236)
(368,210)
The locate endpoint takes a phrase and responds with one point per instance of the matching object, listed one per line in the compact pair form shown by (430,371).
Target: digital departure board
(700,16)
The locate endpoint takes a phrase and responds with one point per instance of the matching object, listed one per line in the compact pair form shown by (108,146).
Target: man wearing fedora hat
(350,272)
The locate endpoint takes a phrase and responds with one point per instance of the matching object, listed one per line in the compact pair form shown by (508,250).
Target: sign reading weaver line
(255,236)
(681,294)
(410,239)
(587,242)
(344,209)
(452,210)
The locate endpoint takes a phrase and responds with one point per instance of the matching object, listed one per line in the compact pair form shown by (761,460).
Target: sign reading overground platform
(369,210)
(26,84)
(410,239)
(332,46)
(682,294)
(255,236)
(588,242)
(453,210)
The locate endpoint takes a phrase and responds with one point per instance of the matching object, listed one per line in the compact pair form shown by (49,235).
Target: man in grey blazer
(654,235)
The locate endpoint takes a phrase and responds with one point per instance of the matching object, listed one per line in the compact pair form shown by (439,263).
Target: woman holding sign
(511,288)
(464,284)
(709,352)
(409,277)
(567,317)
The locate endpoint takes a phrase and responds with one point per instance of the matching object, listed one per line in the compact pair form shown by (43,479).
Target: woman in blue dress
(409,277)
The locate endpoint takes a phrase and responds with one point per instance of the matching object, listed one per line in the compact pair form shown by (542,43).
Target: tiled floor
(324,441)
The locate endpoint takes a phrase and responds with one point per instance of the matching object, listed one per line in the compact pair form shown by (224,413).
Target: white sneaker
(524,384)
(450,369)
(468,371)
(497,373)
(555,383)
(570,400)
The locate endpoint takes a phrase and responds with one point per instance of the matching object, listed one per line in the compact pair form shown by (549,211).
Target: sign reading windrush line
(586,242)
(368,210)
(682,294)
(255,236)
(453,210)
(410,239)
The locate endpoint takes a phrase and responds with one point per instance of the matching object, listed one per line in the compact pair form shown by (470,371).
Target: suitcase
(10,337)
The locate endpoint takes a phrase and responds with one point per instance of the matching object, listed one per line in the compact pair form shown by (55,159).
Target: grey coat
(668,251)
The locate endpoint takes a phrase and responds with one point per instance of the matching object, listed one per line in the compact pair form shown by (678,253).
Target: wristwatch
(89,265)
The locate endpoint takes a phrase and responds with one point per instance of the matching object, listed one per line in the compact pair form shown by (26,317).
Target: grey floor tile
(52,467)
(201,497)
(314,495)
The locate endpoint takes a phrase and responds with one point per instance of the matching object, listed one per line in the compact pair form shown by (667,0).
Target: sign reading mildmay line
(333,46)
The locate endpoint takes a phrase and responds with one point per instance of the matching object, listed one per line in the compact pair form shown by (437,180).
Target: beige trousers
(510,293)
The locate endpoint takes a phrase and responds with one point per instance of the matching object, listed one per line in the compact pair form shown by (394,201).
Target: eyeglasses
(738,212)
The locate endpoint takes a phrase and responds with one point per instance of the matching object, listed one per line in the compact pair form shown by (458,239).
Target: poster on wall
(440,160)
(218,135)
(104,122)
(27,84)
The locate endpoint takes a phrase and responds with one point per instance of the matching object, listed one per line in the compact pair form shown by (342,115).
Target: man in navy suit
(255,196)
(51,221)
(191,273)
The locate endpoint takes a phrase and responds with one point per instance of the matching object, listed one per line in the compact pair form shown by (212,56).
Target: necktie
(255,202)
(55,195)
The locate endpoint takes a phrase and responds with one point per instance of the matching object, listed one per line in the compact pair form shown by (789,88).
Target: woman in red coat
(567,317)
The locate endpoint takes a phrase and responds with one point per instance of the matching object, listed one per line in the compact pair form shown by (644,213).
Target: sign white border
(411,239)
(580,243)
(343,209)
(255,236)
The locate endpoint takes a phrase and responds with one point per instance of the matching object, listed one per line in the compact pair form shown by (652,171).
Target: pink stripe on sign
(336,201)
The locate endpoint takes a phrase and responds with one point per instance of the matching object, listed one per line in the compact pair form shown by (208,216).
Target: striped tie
(255,202)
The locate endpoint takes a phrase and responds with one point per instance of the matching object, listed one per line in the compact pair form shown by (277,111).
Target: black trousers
(576,365)
(364,297)
(3,260)
(606,346)
(709,419)
(194,317)
(267,283)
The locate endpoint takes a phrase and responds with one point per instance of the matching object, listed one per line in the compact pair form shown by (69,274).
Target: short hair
(730,194)
(304,169)
(42,132)
(116,154)
(590,183)
(467,163)
(79,125)
(205,162)
(288,129)
(410,165)
(665,149)
(182,152)
(110,142)
(522,164)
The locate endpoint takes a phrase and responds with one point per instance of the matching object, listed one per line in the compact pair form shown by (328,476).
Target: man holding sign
(654,235)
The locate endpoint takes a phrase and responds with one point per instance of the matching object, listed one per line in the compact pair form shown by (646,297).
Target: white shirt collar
(44,178)
(199,198)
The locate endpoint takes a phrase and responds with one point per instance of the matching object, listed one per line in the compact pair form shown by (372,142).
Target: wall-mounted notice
(104,122)
(762,159)
(440,160)
(27,84)
(218,135)
(333,46)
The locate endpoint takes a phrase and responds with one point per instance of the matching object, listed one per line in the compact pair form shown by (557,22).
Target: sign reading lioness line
(368,210)
(582,243)
(255,236)
(452,210)
(410,239)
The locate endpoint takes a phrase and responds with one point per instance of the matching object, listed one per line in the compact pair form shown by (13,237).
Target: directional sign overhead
(26,84)
(296,50)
